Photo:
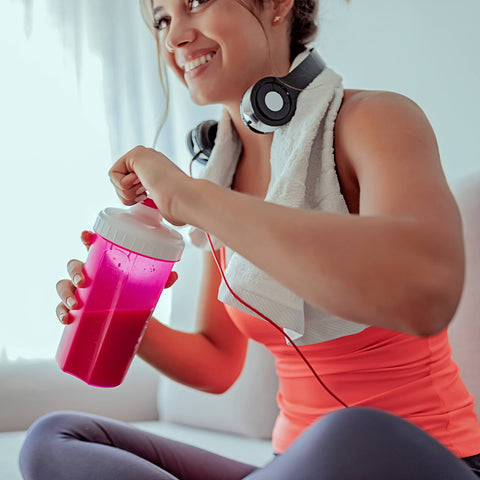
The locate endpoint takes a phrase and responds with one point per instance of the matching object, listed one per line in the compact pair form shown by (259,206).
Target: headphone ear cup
(272,101)
(201,140)
(207,132)
(268,105)
(190,144)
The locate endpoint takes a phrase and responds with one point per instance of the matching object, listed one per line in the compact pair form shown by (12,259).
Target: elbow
(429,321)
(219,389)
(222,378)
(434,302)
(219,386)
(207,384)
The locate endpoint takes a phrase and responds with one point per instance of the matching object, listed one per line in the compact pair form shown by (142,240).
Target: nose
(180,33)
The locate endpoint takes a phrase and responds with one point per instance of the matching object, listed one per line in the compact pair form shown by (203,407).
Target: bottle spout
(148,202)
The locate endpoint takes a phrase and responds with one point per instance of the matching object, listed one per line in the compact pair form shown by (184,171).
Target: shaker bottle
(128,264)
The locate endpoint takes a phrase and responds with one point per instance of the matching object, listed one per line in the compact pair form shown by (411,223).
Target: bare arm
(398,264)
(209,359)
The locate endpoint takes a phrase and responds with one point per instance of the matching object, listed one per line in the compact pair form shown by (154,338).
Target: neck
(255,145)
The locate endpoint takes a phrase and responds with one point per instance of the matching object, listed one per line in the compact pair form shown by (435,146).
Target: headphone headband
(272,101)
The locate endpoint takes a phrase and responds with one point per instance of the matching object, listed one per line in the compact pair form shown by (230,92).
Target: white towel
(303,175)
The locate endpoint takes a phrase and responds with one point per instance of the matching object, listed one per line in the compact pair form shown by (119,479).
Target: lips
(197,62)
(192,63)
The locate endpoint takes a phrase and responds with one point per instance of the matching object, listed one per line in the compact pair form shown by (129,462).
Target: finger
(123,198)
(120,168)
(121,171)
(171,279)
(87,238)
(66,292)
(130,181)
(127,184)
(75,270)
(131,197)
(134,195)
(62,314)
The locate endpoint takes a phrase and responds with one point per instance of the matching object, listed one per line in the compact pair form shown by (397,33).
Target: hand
(143,169)
(66,288)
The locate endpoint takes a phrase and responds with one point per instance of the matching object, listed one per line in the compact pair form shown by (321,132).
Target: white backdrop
(79,87)
(425,49)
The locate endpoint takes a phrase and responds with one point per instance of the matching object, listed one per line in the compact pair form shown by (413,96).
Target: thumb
(87,238)
(171,279)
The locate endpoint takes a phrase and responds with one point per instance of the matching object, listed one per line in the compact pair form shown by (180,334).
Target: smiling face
(218,48)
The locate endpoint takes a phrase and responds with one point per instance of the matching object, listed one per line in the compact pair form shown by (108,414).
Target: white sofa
(237,423)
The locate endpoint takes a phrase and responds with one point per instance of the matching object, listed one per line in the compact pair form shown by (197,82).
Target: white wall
(425,49)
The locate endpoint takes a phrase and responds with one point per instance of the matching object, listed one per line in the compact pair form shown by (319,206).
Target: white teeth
(197,62)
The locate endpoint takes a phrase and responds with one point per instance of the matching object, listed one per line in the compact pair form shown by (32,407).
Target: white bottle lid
(140,230)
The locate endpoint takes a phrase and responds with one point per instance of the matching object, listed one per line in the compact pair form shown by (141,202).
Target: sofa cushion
(465,327)
(249,407)
(10,445)
(249,450)
(39,387)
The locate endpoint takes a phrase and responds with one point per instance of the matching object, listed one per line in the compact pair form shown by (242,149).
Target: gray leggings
(350,444)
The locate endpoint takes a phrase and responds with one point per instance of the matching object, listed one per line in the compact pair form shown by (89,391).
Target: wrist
(189,203)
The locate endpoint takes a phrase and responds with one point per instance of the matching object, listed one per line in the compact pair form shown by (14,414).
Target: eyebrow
(158,9)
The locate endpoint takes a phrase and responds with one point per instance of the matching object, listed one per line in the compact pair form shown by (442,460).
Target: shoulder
(358,104)
(375,126)
(367,113)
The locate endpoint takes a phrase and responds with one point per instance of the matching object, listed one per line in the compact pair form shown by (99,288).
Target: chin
(202,99)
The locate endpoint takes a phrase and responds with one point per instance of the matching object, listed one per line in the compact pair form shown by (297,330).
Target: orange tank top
(413,377)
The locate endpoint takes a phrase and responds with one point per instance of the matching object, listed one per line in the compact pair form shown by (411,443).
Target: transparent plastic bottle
(128,265)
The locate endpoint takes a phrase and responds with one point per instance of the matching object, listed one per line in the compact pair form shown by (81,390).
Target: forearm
(188,358)
(383,271)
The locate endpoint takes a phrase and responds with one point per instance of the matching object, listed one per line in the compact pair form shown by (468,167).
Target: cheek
(242,46)
(169,60)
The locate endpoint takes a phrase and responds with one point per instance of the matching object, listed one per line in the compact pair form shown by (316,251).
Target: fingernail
(140,198)
(60,317)
(141,190)
(137,181)
(71,302)
(77,279)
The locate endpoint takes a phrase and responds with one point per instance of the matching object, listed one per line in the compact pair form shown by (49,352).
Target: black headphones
(201,139)
(265,106)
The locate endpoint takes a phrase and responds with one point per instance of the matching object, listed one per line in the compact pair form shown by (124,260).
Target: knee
(357,418)
(351,427)
(39,449)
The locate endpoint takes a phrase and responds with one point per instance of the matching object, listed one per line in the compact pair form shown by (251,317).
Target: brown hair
(304,25)
(146,7)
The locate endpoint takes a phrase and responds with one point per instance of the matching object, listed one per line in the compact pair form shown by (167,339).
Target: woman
(340,226)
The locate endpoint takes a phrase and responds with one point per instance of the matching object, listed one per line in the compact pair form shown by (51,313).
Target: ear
(281,10)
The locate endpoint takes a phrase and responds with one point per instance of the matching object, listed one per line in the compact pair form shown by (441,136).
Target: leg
(365,444)
(73,446)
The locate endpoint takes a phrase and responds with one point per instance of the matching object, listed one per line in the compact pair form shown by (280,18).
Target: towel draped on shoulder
(303,175)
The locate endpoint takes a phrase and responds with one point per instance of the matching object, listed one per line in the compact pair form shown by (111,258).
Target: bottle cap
(140,230)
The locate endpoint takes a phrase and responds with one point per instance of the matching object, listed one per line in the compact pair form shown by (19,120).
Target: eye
(192,4)
(161,23)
